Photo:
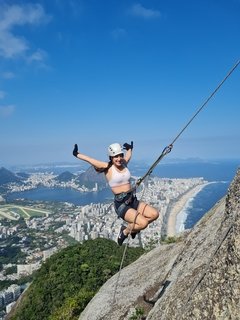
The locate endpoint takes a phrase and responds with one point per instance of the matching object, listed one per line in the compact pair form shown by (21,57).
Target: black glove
(75,150)
(128,146)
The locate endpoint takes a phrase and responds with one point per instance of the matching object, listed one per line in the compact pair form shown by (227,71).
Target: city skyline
(95,73)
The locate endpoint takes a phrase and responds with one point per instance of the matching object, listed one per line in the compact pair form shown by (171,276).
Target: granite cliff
(197,277)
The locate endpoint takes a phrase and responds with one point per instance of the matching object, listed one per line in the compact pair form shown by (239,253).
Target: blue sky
(98,72)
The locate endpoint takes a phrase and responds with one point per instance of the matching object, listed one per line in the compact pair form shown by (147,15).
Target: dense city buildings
(37,229)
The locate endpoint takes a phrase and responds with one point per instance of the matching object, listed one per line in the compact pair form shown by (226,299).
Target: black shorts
(124,201)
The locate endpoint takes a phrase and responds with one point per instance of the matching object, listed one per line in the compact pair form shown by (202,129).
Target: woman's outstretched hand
(75,150)
(128,146)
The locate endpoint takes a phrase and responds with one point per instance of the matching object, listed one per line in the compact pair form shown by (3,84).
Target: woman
(138,214)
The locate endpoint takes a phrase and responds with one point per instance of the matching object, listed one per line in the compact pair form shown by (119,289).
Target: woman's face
(117,160)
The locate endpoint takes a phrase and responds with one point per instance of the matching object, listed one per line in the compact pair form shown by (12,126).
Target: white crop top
(119,178)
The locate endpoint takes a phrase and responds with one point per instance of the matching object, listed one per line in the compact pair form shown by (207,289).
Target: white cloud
(10,46)
(6,111)
(11,16)
(39,56)
(140,11)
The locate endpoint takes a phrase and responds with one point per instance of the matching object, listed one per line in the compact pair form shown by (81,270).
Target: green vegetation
(168,240)
(22,211)
(152,243)
(21,282)
(11,270)
(138,314)
(65,236)
(11,254)
(35,212)
(4,284)
(68,280)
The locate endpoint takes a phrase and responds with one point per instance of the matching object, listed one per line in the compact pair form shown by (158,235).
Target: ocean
(219,173)
(197,206)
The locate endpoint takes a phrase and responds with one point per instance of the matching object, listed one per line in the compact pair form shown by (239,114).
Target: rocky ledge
(197,277)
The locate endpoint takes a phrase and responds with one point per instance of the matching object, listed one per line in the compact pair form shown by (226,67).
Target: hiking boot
(133,234)
(121,236)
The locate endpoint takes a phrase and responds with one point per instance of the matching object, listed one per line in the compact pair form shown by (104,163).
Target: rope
(123,258)
(165,151)
(169,147)
(125,251)
(207,100)
(119,272)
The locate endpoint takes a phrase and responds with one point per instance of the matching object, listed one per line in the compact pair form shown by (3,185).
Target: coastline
(179,205)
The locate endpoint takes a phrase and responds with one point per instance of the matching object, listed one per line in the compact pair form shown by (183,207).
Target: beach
(179,206)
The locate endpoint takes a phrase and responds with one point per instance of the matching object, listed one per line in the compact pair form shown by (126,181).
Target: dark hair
(101,170)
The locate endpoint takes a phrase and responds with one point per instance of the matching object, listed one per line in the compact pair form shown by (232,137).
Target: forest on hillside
(68,280)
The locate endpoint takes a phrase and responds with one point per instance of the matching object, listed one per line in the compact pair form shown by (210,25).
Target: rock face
(195,278)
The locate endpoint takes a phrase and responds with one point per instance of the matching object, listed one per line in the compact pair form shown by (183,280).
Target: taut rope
(169,147)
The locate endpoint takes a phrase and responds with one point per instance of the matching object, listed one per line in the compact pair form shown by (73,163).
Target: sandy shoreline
(179,206)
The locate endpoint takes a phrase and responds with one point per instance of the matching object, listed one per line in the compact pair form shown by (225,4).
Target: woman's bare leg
(136,221)
(148,212)
(140,218)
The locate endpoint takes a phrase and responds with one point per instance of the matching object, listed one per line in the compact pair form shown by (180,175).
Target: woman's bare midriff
(120,189)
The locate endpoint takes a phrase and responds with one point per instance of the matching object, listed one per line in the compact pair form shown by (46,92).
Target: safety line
(169,147)
(123,258)
(120,269)
(165,151)
(204,104)
(125,251)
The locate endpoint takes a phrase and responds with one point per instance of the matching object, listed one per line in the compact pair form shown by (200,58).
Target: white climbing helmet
(114,149)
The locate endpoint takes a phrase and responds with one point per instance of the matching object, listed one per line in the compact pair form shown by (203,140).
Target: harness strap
(144,209)
(120,196)
(129,199)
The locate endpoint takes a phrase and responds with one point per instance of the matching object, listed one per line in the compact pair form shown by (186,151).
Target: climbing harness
(126,246)
(165,151)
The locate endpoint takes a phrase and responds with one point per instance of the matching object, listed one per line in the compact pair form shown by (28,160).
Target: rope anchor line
(167,149)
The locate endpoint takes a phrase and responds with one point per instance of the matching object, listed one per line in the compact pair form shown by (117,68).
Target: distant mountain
(90,177)
(7,176)
(65,176)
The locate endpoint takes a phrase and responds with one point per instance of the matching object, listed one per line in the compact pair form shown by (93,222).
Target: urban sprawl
(38,229)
